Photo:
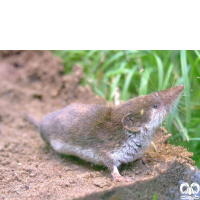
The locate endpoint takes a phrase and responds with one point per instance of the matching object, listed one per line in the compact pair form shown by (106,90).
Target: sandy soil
(33,82)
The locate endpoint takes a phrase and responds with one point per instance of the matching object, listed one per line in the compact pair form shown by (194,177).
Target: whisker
(154,88)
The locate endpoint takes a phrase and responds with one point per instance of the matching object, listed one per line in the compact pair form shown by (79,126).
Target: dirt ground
(33,82)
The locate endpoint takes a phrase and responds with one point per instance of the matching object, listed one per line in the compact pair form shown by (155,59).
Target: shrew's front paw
(119,178)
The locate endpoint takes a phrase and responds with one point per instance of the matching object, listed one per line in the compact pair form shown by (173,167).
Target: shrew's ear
(128,123)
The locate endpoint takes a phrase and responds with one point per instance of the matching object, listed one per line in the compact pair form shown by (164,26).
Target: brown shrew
(108,135)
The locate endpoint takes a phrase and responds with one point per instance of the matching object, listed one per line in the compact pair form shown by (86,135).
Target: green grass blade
(97,91)
(120,70)
(181,128)
(186,87)
(90,53)
(167,77)
(155,196)
(160,71)
(194,139)
(128,80)
(112,59)
(197,53)
(144,81)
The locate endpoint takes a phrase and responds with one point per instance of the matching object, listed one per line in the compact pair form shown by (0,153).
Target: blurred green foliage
(141,72)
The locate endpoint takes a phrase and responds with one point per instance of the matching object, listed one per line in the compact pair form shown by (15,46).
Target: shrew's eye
(155,105)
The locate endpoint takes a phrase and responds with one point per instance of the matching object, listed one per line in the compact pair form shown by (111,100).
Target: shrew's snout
(170,95)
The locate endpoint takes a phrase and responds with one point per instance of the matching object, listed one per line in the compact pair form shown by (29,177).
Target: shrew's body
(108,135)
